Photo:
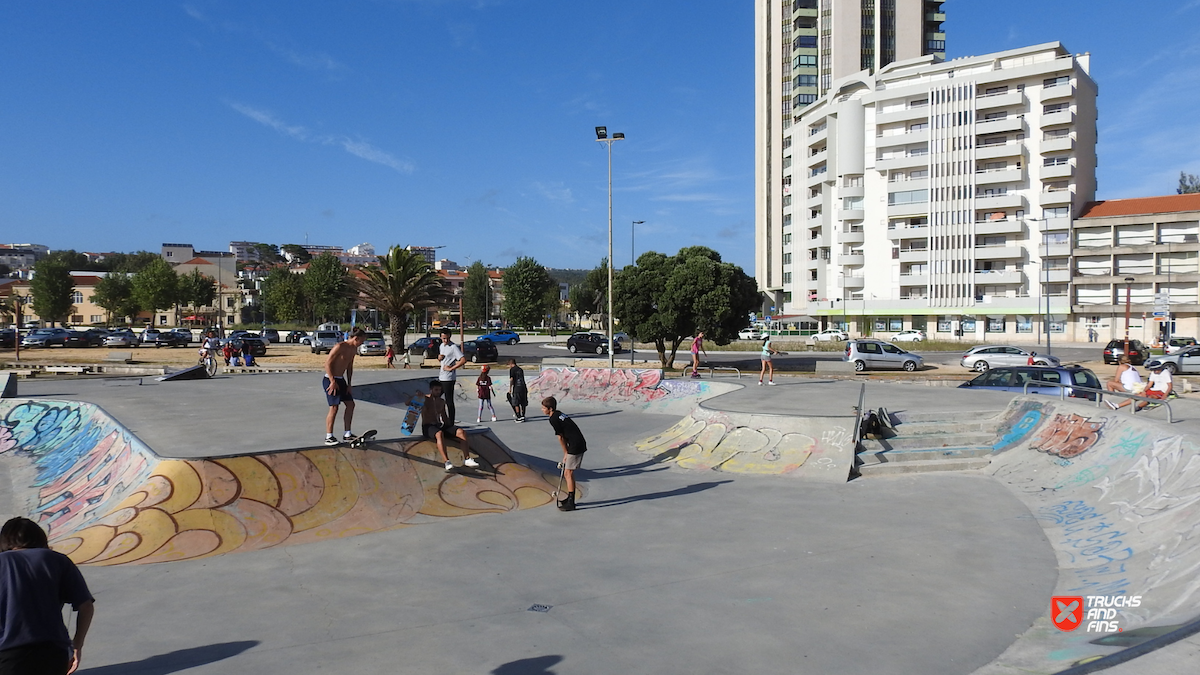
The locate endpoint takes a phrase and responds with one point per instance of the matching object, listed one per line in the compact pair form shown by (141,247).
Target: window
(993,91)
(852,203)
(803,99)
(1057,212)
(805,42)
(1056,81)
(787,238)
(787,162)
(967,324)
(1056,133)
(869,347)
(908,197)
(812,275)
(97,318)
(943,324)
(918,126)
(787,142)
(818,170)
(918,103)
(76,297)
(852,181)
(787,277)
(805,61)
(1056,161)
(936,45)
(1055,107)
(787,258)
(805,81)
(1024,324)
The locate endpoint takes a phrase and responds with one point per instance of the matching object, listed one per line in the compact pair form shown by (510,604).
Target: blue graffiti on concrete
(1019,430)
(56,436)
(1088,538)
(1129,444)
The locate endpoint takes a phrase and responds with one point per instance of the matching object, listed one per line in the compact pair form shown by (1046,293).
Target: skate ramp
(1119,500)
(641,390)
(808,448)
(106,499)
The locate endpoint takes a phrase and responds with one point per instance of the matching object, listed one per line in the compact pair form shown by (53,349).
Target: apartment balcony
(851,260)
(851,191)
(911,279)
(1002,252)
(934,16)
(913,209)
(1054,224)
(907,138)
(1057,93)
(1007,200)
(818,137)
(1001,226)
(908,233)
(1055,250)
(914,255)
(1057,171)
(816,201)
(813,180)
(997,277)
(850,214)
(1005,100)
(904,162)
(853,237)
(1055,276)
(905,115)
(853,282)
(1000,150)
(1000,126)
(1058,144)
(995,176)
(1061,197)
(1057,118)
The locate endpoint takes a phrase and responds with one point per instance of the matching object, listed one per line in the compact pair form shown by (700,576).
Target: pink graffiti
(600,384)
(1068,436)
(109,466)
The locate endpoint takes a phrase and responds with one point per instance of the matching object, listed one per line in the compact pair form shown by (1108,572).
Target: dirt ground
(278,354)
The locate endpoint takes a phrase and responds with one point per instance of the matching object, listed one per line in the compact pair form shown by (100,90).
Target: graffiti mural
(1067,436)
(105,499)
(599,385)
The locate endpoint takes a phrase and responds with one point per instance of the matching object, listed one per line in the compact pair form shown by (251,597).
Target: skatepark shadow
(173,662)
(634,469)
(621,501)
(539,665)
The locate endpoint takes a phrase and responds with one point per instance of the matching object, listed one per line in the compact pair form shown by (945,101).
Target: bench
(119,357)
(66,369)
(711,368)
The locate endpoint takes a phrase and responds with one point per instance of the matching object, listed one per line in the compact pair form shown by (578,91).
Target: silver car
(373,345)
(121,338)
(1186,360)
(324,340)
(876,355)
(982,357)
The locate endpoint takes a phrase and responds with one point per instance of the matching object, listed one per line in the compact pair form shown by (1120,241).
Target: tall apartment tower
(801,48)
(933,195)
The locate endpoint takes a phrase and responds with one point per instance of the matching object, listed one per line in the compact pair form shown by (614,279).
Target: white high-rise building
(934,195)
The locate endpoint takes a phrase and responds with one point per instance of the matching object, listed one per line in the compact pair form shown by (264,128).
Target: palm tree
(402,284)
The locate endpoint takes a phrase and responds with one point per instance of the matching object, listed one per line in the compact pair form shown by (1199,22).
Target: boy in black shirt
(573,445)
(518,393)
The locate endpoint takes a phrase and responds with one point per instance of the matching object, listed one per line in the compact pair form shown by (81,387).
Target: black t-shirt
(34,585)
(565,426)
(517,377)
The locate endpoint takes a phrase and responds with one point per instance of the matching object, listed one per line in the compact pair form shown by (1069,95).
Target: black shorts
(340,395)
(36,659)
(520,396)
(430,430)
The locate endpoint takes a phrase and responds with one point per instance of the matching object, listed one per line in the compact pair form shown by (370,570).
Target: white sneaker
(470,461)
(760,383)
(449,466)
(493,418)
(478,420)
(771,383)
(330,440)
(1112,405)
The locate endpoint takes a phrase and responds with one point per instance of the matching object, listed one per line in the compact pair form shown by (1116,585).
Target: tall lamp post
(602,137)
(1128,282)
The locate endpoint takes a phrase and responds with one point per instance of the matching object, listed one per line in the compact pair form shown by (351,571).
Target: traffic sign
(1161,314)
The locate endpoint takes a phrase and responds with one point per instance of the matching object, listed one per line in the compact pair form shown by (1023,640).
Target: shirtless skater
(339,370)
(436,425)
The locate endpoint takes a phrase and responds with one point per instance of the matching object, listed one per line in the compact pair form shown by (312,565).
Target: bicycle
(209,362)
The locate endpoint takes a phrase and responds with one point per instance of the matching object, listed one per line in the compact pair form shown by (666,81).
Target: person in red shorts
(1161,384)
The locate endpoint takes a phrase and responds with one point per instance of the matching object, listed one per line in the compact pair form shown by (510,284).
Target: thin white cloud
(555,191)
(318,61)
(315,61)
(358,148)
(194,13)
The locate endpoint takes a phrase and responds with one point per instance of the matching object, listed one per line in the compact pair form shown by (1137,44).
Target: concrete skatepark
(718,531)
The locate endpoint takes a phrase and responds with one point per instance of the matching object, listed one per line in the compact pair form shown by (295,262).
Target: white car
(751,334)
(831,335)
(908,336)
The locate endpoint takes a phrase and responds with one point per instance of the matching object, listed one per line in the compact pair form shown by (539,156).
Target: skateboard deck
(413,414)
(362,441)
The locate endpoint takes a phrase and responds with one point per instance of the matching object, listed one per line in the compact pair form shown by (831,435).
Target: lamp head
(618,136)
(601,133)
(1129,280)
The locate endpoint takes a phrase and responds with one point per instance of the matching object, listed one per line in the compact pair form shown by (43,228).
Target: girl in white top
(767,366)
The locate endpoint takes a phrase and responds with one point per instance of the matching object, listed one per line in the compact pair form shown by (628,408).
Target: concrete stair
(930,442)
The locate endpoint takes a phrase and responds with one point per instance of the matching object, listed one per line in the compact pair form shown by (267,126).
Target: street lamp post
(1128,282)
(602,137)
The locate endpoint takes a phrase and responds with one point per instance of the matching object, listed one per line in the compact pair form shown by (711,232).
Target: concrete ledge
(8,385)
(559,361)
(121,357)
(67,369)
(834,367)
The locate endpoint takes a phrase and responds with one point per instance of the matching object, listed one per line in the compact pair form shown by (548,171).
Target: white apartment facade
(934,195)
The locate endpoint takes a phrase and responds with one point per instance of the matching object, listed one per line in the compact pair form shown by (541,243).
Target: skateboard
(361,441)
(412,414)
(562,471)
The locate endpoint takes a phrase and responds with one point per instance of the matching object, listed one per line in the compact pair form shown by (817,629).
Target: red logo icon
(1066,611)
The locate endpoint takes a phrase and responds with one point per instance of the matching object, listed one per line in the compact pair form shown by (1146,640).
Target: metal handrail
(858,412)
(1062,395)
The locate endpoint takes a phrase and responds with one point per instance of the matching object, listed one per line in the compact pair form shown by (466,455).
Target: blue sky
(469,124)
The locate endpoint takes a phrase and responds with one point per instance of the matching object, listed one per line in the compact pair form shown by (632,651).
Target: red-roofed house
(84,312)
(1154,242)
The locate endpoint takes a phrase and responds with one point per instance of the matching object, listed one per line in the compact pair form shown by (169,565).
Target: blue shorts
(340,395)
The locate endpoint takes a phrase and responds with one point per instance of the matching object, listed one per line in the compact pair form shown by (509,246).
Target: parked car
(982,357)
(149,335)
(831,335)
(92,337)
(1115,348)
(622,342)
(1040,380)
(588,342)
(324,340)
(1176,344)
(1186,360)
(505,336)
(908,336)
(271,335)
(373,345)
(46,337)
(874,355)
(422,344)
(8,337)
(751,333)
(480,351)
(295,336)
(172,338)
(121,338)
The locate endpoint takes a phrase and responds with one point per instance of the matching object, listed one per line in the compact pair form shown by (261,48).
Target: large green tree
(402,284)
(475,293)
(72,259)
(197,290)
(1188,183)
(299,253)
(114,292)
(325,286)
(130,263)
(283,295)
(267,253)
(52,288)
(156,286)
(525,284)
(665,300)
